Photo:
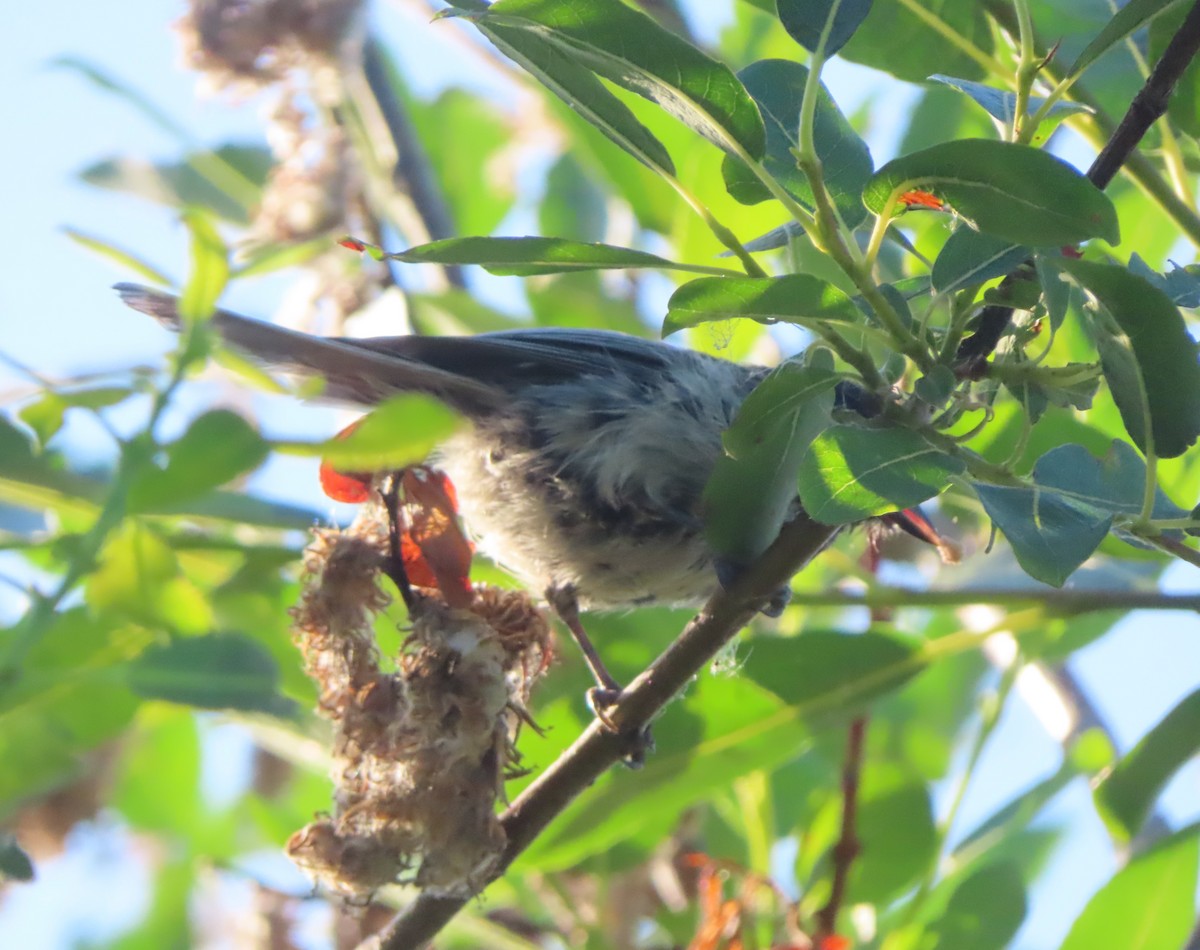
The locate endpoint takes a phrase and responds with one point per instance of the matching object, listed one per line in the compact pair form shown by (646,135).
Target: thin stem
(1027,68)
(848,845)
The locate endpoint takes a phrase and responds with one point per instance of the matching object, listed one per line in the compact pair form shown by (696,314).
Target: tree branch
(1147,107)
(848,845)
(1055,601)
(597,748)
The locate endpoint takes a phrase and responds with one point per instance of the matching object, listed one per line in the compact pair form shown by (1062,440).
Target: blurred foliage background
(147,642)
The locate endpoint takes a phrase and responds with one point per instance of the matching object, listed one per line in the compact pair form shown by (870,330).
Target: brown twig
(599,748)
(412,173)
(848,845)
(1146,108)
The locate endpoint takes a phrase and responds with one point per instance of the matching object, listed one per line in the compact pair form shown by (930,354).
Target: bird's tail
(351,371)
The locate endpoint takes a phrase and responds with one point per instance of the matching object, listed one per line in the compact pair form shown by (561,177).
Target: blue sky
(58,316)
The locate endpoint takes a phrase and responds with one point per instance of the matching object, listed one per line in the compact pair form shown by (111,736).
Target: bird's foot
(637,743)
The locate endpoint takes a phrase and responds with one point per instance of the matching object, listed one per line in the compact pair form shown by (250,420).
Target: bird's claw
(638,743)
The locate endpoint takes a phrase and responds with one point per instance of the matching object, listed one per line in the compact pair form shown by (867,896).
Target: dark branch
(413,173)
(848,845)
(598,748)
(1147,108)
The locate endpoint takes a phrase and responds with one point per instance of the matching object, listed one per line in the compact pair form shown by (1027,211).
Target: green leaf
(911,40)
(398,432)
(752,488)
(139,577)
(1014,192)
(478,197)
(122,258)
(268,258)
(1126,795)
(15,864)
(851,473)
(899,839)
(527,256)
(209,271)
(985,911)
(796,298)
(216,448)
(1114,483)
(218,671)
(1181,284)
(778,88)
(630,49)
(807,20)
(573,205)
(832,675)
(1002,103)
(157,784)
(1150,362)
(1147,905)
(970,257)
(1129,18)
(64,704)
(559,72)
(1051,535)
(227,181)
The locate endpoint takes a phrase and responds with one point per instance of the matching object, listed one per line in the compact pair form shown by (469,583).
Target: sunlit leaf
(216,448)
(630,49)
(399,431)
(1148,904)
(796,298)
(1013,192)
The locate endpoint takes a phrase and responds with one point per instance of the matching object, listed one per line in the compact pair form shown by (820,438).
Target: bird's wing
(352,371)
(514,359)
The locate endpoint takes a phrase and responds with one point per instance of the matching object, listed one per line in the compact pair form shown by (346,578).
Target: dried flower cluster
(256,42)
(420,754)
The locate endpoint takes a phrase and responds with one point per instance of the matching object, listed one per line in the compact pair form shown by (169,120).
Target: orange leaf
(353,244)
(436,547)
(922,199)
(353,488)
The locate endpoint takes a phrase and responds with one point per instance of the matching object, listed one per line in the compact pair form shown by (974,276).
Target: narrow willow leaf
(528,256)
(630,49)
(851,473)
(778,88)
(562,74)
(1014,192)
(1151,363)
(209,271)
(796,298)
(227,181)
(217,671)
(1129,18)
(120,257)
(1002,103)
(969,257)
(1126,795)
(807,20)
(1147,905)
(753,487)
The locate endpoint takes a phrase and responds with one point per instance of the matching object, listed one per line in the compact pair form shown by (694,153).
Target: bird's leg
(607,690)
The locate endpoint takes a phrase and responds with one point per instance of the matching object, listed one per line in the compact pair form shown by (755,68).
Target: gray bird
(588,453)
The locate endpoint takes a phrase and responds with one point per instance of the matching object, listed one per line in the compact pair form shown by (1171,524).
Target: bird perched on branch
(583,470)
